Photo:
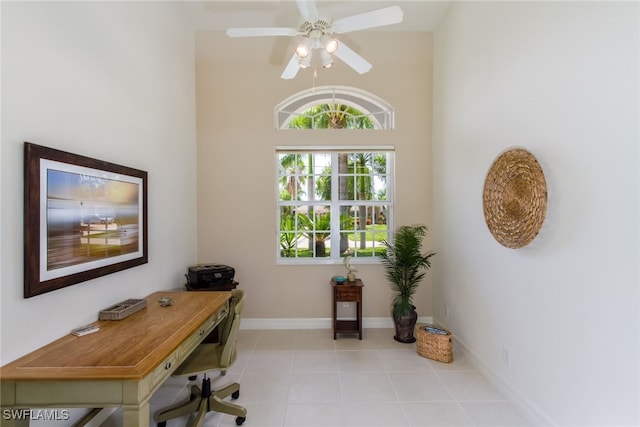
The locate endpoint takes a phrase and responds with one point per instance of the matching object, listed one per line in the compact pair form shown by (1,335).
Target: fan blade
(262,31)
(352,59)
(308,9)
(376,18)
(291,69)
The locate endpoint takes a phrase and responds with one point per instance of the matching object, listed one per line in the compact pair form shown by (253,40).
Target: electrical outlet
(506,356)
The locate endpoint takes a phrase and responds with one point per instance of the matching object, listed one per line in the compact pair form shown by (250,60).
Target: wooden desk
(214,336)
(122,364)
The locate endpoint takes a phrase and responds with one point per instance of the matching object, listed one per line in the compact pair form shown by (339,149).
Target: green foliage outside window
(306,202)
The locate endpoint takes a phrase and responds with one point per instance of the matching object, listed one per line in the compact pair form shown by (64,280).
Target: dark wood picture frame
(83,218)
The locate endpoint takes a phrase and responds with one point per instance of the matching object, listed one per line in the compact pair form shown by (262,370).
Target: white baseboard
(517,399)
(318,323)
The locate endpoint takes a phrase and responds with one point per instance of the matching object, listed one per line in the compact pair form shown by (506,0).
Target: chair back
(229,332)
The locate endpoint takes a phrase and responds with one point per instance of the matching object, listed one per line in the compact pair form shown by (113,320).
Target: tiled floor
(305,378)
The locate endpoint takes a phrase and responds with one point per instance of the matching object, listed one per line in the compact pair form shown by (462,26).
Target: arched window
(311,106)
(333,201)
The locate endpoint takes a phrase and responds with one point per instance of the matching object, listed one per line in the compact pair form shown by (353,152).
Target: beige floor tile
(258,415)
(359,361)
(351,342)
(270,361)
(247,339)
(315,361)
(402,361)
(314,415)
(469,386)
(314,388)
(495,414)
(375,415)
(436,414)
(263,388)
(306,378)
(276,340)
(314,340)
(419,386)
(366,387)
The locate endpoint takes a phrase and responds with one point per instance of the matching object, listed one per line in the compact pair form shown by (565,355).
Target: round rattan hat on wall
(515,198)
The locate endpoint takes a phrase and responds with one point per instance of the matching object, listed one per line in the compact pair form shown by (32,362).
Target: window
(301,105)
(331,201)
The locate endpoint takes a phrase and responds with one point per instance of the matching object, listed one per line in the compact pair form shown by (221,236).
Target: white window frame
(377,109)
(335,257)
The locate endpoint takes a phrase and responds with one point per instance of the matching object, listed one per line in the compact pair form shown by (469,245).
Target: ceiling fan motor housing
(317,29)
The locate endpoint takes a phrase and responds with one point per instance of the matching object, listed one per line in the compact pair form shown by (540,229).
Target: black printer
(210,276)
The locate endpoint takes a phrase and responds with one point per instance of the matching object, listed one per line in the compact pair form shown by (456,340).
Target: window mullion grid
(348,204)
(390,186)
(373,207)
(335,207)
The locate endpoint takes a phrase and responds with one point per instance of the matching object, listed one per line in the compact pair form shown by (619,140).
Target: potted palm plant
(405,266)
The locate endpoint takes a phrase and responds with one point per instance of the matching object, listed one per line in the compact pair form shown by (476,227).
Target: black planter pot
(405,326)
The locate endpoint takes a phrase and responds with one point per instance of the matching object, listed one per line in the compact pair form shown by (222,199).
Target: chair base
(203,400)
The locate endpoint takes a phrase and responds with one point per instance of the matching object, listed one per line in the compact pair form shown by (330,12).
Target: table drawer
(222,313)
(205,329)
(166,368)
(347,293)
(196,338)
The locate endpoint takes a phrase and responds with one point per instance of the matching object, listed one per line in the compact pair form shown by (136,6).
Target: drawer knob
(202,332)
(167,365)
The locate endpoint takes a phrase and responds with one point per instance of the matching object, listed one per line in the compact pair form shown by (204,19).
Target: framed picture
(83,218)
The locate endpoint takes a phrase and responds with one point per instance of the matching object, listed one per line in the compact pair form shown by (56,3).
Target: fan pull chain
(315,76)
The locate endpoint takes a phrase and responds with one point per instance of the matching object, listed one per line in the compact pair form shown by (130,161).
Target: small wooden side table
(347,292)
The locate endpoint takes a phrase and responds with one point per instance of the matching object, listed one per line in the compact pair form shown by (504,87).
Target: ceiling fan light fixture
(317,34)
(305,62)
(302,51)
(327,60)
(331,46)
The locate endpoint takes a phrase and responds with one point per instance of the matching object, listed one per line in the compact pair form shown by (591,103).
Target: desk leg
(136,416)
(9,416)
(24,422)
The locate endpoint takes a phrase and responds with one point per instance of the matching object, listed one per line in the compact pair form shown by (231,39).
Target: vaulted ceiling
(217,16)
(220,15)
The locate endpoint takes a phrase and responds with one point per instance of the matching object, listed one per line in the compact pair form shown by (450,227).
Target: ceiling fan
(318,34)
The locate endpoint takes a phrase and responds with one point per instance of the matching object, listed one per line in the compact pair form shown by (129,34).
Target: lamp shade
(306,61)
(331,46)
(327,60)
(302,51)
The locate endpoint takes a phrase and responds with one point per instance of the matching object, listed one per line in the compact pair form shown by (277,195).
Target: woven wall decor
(515,198)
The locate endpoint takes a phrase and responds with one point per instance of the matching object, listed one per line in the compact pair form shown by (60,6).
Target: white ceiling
(213,17)
(216,15)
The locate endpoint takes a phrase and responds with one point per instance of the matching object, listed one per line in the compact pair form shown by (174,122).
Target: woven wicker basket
(515,198)
(434,346)
(122,309)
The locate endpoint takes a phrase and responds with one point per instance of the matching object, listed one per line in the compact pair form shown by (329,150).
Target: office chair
(211,357)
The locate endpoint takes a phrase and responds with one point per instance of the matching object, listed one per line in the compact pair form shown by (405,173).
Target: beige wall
(236,164)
